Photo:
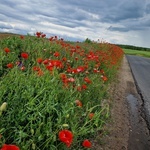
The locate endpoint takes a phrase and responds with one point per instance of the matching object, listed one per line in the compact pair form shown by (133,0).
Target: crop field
(137,52)
(54,93)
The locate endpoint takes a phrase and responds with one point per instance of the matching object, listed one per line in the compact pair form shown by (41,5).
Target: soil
(127,128)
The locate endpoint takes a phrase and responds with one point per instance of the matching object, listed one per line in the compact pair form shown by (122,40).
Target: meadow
(54,93)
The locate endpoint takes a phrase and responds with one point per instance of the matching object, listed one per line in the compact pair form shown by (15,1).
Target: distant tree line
(87,40)
(133,47)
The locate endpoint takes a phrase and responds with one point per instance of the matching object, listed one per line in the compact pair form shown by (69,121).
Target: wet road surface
(139,103)
(140,67)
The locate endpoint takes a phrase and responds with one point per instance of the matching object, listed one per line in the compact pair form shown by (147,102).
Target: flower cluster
(66,137)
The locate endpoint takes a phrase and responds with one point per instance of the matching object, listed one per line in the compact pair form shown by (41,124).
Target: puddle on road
(139,135)
(133,105)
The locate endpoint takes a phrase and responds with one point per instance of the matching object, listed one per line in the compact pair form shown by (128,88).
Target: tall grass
(54,91)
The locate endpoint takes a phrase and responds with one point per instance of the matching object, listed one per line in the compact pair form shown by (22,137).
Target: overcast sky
(114,21)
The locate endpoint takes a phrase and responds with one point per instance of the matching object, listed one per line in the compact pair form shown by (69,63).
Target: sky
(113,21)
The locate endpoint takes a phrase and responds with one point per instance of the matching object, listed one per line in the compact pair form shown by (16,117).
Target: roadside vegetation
(54,94)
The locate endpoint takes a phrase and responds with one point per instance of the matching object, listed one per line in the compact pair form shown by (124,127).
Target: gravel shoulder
(127,130)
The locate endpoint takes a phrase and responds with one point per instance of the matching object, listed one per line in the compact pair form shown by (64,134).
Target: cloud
(5,25)
(125,12)
(114,21)
(148,8)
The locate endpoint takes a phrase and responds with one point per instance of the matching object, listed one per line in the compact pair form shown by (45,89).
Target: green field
(137,52)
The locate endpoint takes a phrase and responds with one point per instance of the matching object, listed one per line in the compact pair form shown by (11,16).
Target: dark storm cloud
(125,10)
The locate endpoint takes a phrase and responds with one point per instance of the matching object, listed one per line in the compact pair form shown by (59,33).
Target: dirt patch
(127,130)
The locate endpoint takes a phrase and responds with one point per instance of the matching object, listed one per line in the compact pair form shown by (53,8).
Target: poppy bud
(3,107)
(78,103)
(33,146)
(86,143)
(65,125)
(32,131)
(67,116)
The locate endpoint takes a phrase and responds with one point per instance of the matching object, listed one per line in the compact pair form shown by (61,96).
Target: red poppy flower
(40,73)
(18,63)
(43,35)
(36,68)
(91,115)
(84,87)
(10,147)
(46,61)
(49,67)
(10,65)
(95,70)
(86,143)
(56,54)
(39,60)
(79,88)
(64,59)
(71,79)
(51,38)
(38,34)
(7,50)
(104,78)
(56,63)
(102,71)
(65,81)
(73,50)
(24,55)
(66,137)
(74,70)
(21,37)
(69,70)
(76,58)
(22,68)
(78,103)
(80,69)
(63,76)
(87,80)
(55,37)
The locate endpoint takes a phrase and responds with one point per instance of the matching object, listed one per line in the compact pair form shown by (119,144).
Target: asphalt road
(140,67)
